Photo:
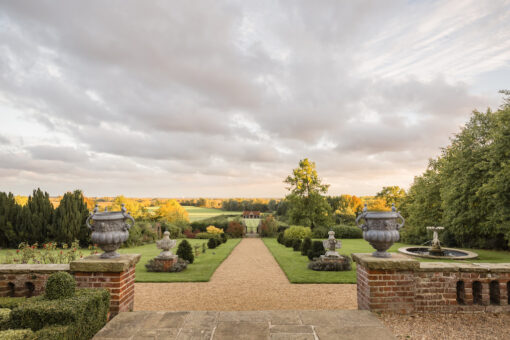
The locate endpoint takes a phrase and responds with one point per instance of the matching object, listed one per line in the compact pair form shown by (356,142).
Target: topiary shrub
(17,334)
(223,238)
(211,244)
(156,266)
(296,244)
(317,250)
(298,232)
(185,252)
(60,285)
(307,244)
(279,239)
(287,242)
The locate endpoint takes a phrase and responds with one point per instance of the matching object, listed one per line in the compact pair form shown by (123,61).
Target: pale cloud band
(223,99)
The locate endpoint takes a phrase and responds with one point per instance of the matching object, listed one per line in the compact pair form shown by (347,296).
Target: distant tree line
(38,221)
(467,188)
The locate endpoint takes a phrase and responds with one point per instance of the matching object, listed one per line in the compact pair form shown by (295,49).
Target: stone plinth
(166,262)
(117,275)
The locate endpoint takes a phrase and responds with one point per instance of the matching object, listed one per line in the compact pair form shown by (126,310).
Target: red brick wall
(121,286)
(431,288)
(22,284)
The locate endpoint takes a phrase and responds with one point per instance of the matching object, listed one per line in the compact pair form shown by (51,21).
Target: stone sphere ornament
(381,229)
(109,230)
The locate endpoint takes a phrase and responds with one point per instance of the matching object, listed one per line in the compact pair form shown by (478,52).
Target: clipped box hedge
(77,317)
(17,334)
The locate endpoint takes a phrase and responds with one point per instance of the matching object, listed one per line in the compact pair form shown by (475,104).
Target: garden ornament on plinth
(166,244)
(381,229)
(109,230)
(435,249)
(331,244)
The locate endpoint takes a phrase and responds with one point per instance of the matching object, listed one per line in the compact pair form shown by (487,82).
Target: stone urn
(381,229)
(109,230)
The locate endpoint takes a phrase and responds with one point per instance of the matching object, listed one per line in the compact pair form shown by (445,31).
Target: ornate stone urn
(380,229)
(109,230)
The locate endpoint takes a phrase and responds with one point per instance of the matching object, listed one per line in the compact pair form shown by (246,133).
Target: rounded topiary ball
(60,285)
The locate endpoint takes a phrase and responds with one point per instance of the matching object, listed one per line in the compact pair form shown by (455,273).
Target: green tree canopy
(70,216)
(308,206)
(392,195)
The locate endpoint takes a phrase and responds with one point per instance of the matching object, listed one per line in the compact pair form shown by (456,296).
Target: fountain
(435,251)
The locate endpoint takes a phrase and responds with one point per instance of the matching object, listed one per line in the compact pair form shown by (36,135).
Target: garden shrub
(79,317)
(203,236)
(298,232)
(235,229)
(60,285)
(279,239)
(13,302)
(320,232)
(220,221)
(211,244)
(213,230)
(346,219)
(330,266)
(156,266)
(307,244)
(17,334)
(175,231)
(189,234)
(296,244)
(185,252)
(287,242)
(5,314)
(223,238)
(317,250)
(347,231)
(140,234)
(268,227)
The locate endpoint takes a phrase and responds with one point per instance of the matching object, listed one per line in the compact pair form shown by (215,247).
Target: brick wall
(401,284)
(116,275)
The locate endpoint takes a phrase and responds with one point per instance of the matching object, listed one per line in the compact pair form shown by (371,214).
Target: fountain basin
(448,253)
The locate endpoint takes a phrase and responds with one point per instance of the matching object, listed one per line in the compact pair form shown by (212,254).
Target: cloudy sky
(223,98)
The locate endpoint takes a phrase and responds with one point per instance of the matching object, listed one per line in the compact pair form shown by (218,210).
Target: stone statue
(436,244)
(166,244)
(331,244)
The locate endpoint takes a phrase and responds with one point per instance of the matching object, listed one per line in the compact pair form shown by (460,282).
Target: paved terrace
(254,325)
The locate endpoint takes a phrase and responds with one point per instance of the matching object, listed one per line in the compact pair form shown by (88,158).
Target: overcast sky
(223,98)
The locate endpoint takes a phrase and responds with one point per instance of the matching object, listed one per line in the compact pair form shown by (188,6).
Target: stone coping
(32,268)
(94,263)
(395,262)
(464,267)
(469,254)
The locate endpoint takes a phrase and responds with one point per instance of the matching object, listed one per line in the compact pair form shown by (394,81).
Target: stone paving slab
(252,325)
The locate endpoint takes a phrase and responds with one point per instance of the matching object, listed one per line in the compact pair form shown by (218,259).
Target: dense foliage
(297,232)
(307,244)
(268,226)
(185,252)
(316,250)
(60,285)
(236,229)
(467,188)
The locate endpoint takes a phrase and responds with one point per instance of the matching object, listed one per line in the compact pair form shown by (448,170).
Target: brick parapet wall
(403,285)
(116,275)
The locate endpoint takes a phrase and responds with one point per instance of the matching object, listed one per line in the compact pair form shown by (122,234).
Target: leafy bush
(17,334)
(347,231)
(297,232)
(189,234)
(211,244)
(60,285)
(175,231)
(156,266)
(78,317)
(330,266)
(317,250)
(288,242)
(307,244)
(203,236)
(5,315)
(185,252)
(347,219)
(296,244)
(220,221)
(12,302)
(213,230)
(235,229)
(140,234)
(279,239)
(320,232)
(268,227)
(223,238)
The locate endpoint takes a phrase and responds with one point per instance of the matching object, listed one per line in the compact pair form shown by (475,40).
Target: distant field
(197,214)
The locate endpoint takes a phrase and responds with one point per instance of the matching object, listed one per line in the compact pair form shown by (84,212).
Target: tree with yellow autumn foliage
(172,212)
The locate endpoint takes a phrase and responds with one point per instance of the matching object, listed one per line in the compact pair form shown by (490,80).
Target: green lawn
(295,266)
(197,214)
(200,271)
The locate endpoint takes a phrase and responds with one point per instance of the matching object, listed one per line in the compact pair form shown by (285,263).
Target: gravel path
(482,326)
(249,279)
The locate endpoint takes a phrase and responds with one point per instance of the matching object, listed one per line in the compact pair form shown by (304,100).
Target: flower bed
(48,253)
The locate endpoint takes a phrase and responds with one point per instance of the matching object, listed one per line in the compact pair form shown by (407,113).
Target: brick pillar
(386,284)
(117,275)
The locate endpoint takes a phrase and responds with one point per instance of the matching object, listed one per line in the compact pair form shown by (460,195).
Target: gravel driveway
(249,279)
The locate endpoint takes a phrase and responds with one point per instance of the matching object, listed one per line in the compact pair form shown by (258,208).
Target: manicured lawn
(197,214)
(295,266)
(200,271)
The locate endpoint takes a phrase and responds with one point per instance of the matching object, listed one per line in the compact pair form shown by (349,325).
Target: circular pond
(447,253)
